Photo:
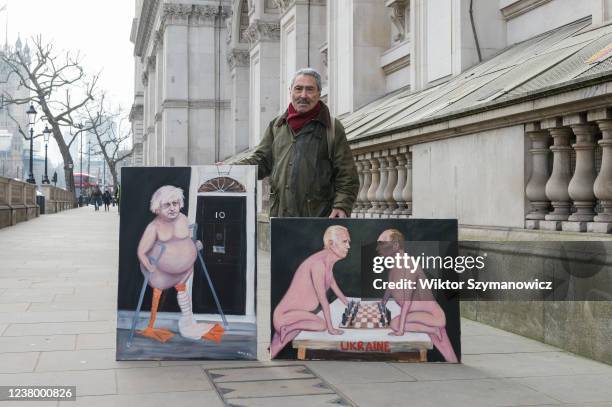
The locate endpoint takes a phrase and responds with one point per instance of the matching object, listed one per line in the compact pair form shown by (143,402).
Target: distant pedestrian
(96,195)
(106,198)
(118,197)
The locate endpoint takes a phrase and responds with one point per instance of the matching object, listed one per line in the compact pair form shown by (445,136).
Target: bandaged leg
(188,327)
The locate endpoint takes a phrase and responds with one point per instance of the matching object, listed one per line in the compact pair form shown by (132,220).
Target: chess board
(365,315)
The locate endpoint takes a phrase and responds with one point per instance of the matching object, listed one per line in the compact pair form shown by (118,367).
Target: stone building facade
(210,75)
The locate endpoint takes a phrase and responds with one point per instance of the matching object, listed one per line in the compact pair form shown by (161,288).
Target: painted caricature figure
(308,290)
(167,251)
(419,310)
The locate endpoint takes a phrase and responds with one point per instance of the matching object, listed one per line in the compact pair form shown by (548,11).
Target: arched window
(222,184)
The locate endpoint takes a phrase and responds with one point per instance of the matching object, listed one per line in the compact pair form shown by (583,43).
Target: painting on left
(187,264)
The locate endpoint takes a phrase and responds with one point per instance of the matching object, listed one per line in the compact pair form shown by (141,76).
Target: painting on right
(364,289)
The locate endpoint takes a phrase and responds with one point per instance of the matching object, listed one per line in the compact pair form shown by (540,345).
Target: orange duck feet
(159,334)
(215,333)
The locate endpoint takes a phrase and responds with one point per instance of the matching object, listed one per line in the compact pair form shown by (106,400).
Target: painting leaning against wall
(187,264)
(333,299)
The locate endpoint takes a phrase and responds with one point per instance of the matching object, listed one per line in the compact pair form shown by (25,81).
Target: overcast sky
(99,29)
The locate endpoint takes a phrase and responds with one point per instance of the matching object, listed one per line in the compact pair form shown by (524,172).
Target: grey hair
(167,193)
(308,72)
(331,234)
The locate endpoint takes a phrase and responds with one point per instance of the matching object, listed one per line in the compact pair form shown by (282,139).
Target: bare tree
(59,86)
(111,129)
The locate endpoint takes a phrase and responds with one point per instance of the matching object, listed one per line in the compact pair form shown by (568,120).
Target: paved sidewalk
(58,281)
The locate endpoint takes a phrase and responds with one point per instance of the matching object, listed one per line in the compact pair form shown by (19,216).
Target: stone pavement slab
(85,360)
(242,374)
(318,400)
(162,379)
(152,399)
(359,373)
(589,388)
(57,326)
(457,393)
(11,344)
(88,382)
(96,341)
(18,362)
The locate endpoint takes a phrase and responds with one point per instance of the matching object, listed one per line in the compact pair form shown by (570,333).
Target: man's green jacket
(304,182)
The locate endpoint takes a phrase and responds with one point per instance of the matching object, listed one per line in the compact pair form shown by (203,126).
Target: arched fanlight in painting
(222,184)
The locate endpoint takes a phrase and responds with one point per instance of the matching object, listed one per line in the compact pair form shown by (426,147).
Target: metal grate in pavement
(294,385)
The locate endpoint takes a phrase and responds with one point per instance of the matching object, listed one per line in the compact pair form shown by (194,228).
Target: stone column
(603,183)
(581,185)
(380,192)
(357,206)
(407,192)
(398,195)
(391,183)
(556,187)
(536,187)
(238,62)
(367,181)
(374,169)
(264,59)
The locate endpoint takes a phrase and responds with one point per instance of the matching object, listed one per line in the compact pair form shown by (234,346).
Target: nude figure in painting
(308,290)
(420,312)
(173,265)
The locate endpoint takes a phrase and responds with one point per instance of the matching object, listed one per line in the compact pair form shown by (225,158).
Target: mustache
(303,101)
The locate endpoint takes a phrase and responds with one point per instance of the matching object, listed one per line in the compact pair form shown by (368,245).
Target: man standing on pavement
(306,155)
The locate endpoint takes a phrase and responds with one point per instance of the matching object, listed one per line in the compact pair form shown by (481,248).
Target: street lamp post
(31,112)
(80,127)
(46,134)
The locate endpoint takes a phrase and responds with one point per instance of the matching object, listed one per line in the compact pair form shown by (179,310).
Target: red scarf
(297,120)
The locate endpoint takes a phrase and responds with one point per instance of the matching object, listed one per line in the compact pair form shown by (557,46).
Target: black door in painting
(222,229)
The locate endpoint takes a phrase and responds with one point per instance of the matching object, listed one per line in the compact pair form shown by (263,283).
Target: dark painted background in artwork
(137,186)
(295,239)
(222,229)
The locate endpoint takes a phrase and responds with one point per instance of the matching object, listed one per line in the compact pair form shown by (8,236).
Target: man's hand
(337,213)
(334,331)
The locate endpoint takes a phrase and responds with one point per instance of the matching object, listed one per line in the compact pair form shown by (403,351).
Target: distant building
(11,140)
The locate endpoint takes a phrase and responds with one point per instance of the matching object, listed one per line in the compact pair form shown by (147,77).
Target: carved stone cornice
(151,63)
(175,14)
(262,31)
(136,112)
(283,5)
(195,104)
(158,41)
(398,17)
(521,7)
(238,58)
(145,26)
(323,49)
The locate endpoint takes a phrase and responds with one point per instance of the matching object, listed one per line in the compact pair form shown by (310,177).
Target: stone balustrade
(385,179)
(56,199)
(566,194)
(17,202)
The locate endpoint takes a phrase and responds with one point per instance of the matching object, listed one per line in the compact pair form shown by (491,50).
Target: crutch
(146,275)
(205,272)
